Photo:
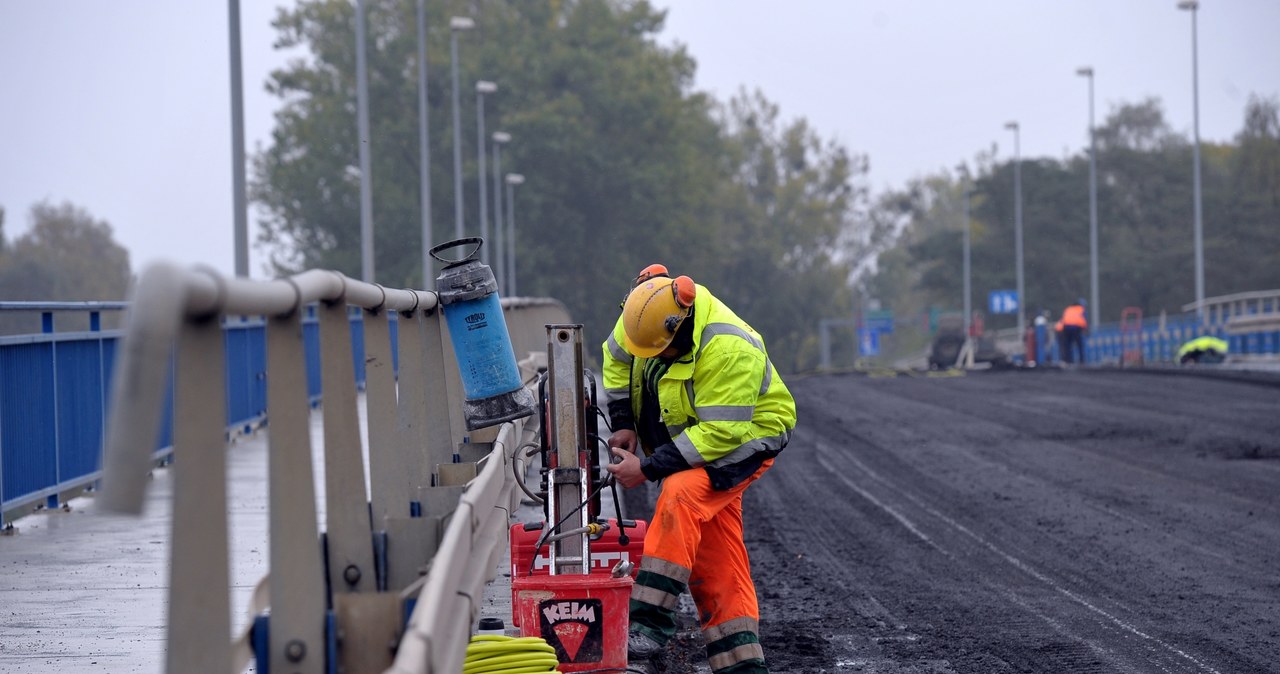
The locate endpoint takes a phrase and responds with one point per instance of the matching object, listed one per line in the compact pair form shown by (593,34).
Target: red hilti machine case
(606,551)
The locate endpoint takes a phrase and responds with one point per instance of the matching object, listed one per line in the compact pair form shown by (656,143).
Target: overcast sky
(122,107)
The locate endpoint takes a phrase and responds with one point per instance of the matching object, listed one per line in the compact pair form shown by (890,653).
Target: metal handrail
(63,306)
(1237,297)
(175,310)
(166,294)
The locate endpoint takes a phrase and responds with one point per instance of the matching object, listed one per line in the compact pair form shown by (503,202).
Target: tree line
(1145,222)
(627,164)
(66,255)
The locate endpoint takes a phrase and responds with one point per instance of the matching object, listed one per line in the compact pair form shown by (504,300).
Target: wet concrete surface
(83,591)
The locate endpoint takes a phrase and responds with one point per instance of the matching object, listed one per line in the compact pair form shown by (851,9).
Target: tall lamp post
(456,25)
(424,148)
(1095,309)
(513,179)
(499,139)
(1017,224)
(1194,5)
(241,233)
(366,171)
(968,308)
(483,87)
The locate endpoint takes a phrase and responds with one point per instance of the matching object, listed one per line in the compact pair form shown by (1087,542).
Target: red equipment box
(606,551)
(583,617)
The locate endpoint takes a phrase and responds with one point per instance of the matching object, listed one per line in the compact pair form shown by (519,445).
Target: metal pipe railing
(413,430)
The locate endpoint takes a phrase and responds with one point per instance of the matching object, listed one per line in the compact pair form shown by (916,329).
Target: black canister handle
(457,243)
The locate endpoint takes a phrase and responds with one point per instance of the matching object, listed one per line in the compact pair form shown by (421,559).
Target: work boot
(641,646)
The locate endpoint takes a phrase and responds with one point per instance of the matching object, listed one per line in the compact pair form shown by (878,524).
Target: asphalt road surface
(1043,521)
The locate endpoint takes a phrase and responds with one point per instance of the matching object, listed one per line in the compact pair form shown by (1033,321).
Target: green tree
(618,159)
(67,255)
(625,164)
(1145,222)
(779,236)
(1252,207)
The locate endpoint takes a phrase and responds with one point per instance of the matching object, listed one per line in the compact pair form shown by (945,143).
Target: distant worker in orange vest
(1074,324)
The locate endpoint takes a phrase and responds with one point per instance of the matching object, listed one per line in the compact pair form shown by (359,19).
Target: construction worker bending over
(1206,349)
(1074,323)
(691,384)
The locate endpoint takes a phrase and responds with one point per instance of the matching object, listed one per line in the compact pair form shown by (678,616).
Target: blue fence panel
(52,418)
(257,368)
(28,435)
(1105,343)
(311,340)
(357,347)
(394,326)
(239,395)
(79,412)
(165,439)
(246,373)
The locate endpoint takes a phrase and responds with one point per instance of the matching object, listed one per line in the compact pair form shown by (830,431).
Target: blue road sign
(868,342)
(1003,302)
(880,321)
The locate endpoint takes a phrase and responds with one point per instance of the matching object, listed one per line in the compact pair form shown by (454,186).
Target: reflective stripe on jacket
(1074,315)
(723,403)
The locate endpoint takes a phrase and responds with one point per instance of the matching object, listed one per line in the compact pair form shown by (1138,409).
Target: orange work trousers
(695,541)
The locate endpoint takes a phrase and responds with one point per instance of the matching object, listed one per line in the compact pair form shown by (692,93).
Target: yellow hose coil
(495,654)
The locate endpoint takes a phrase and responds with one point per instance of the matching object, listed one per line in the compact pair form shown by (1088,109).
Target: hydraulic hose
(517,468)
(497,654)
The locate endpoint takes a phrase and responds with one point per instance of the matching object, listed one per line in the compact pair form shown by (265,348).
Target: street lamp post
(456,25)
(483,87)
(1017,224)
(499,138)
(424,146)
(513,179)
(1194,5)
(363,139)
(968,308)
(241,233)
(1095,309)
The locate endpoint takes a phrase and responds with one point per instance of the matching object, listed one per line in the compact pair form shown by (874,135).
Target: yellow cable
(499,654)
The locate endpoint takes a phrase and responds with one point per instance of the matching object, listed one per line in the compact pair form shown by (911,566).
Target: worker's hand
(626,439)
(626,467)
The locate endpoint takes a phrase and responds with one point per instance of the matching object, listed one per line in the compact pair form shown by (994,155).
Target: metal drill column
(566,433)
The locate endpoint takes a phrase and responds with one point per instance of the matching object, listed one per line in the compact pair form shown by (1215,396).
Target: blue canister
(490,378)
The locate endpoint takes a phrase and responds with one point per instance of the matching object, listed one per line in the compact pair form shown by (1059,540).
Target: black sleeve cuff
(620,417)
(665,460)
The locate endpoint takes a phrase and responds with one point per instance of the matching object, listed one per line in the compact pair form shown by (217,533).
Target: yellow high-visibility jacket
(722,403)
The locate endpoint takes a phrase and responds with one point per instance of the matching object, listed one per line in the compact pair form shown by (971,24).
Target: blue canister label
(482,346)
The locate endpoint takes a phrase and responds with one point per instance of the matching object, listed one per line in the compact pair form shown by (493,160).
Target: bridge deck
(85,591)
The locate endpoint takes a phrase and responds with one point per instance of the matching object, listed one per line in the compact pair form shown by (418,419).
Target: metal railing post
(51,501)
(390,490)
(348,531)
(199,574)
(412,538)
(297,636)
(436,367)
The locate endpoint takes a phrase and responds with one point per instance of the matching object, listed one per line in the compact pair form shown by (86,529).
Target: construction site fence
(1249,322)
(52,404)
(390,576)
